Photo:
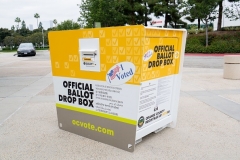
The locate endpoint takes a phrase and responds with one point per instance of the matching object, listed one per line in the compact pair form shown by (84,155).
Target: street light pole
(43,37)
(11,41)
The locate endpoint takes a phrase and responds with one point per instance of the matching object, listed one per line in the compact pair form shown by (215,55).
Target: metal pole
(43,38)
(12,41)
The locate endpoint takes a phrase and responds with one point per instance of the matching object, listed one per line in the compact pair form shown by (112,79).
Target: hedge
(219,42)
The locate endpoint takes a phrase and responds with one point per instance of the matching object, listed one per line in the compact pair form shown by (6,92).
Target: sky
(47,9)
(52,9)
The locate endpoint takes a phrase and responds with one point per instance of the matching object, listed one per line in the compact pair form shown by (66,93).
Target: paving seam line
(29,98)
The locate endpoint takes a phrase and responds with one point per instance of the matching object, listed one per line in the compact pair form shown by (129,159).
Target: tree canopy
(114,12)
(68,25)
(205,10)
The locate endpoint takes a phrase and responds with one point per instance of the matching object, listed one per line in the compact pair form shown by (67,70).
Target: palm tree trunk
(166,16)
(220,10)
(206,33)
(145,14)
(166,20)
(199,21)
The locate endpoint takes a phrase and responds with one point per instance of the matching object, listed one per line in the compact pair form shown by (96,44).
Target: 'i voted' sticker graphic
(120,73)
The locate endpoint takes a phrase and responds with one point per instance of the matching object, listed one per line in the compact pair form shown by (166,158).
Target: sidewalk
(208,127)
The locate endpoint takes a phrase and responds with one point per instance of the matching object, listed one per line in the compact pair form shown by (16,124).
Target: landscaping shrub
(231,28)
(192,31)
(219,42)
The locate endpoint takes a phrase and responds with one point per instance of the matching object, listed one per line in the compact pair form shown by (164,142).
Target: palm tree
(55,22)
(17,20)
(36,15)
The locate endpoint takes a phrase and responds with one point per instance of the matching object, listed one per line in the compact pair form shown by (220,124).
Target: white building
(30,27)
(51,24)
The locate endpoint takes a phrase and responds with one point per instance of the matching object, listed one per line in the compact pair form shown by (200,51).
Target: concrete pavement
(21,78)
(208,124)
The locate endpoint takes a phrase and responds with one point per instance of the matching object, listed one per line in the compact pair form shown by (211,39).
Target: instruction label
(154,100)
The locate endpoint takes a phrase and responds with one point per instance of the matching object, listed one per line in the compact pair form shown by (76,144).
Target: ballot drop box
(116,85)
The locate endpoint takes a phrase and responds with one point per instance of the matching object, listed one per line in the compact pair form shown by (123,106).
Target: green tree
(146,12)
(23,25)
(36,38)
(81,22)
(125,12)
(68,25)
(95,11)
(51,29)
(4,32)
(176,14)
(24,31)
(40,26)
(136,11)
(36,30)
(14,40)
(18,39)
(190,12)
(36,15)
(205,10)
(233,11)
(8,41)
(17,20)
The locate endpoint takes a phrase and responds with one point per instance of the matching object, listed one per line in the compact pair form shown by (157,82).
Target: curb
(210,54)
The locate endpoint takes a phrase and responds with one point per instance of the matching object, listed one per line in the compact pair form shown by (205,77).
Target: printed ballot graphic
(116,85)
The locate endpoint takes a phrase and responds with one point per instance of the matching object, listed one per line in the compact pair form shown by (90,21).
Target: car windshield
(26,45)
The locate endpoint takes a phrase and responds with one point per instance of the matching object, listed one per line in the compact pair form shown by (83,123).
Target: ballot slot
(89,54)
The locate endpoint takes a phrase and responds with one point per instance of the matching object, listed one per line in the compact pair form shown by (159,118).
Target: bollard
(231,69)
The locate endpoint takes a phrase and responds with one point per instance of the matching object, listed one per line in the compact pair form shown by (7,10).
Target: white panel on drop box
(89,54)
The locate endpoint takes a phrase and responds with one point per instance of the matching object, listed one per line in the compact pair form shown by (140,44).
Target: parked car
(26,49)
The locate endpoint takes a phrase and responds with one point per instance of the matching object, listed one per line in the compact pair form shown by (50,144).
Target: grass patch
(7,50)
